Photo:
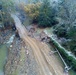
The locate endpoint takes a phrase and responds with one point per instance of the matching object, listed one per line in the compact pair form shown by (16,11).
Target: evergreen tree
(46,16)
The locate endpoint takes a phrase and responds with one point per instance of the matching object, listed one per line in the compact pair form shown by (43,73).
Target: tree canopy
(46,16)
(41,13)
(6,8)
(7,5)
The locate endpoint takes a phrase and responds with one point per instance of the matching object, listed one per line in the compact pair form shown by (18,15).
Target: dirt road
(47,65)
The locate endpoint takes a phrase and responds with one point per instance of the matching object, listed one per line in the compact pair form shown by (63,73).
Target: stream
(4,52)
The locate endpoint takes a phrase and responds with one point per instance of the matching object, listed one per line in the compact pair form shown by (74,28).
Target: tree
(32,10)
(72,35)
(6,7)
(46,16)
(67,11)
(41,13)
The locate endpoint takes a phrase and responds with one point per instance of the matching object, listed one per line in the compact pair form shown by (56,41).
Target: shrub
(60,30)
(7,21)
(32,10)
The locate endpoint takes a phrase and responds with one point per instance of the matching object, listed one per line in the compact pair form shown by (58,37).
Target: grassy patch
(15,73)
(72,72)
(49,30)
(3,53)
(27,22)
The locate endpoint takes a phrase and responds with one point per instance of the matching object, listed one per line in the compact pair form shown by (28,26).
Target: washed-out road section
(47,65)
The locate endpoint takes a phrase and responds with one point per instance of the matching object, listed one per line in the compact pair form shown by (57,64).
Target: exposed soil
(34,58)
(19,61)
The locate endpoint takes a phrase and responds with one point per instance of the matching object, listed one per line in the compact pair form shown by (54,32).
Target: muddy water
(3,56)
